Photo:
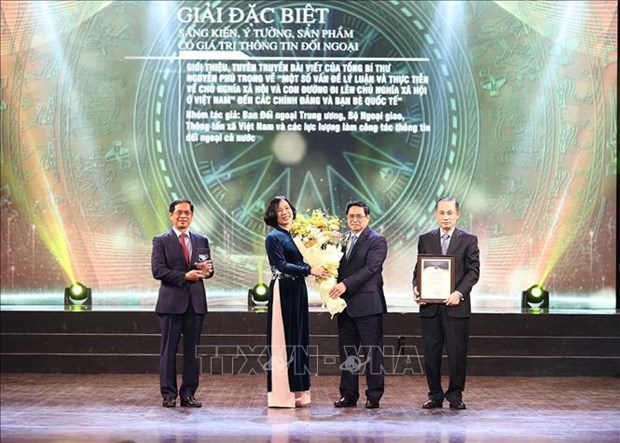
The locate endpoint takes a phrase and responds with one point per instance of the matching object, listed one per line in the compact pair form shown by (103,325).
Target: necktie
(352,241)
(444,243)
(184,247)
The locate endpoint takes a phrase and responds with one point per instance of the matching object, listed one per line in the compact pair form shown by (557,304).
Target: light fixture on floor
(258,296)
(78,297)
(535,297)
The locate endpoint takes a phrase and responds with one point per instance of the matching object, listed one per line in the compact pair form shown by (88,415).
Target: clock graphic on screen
(399,174)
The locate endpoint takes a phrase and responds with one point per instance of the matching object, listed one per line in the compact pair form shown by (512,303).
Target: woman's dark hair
(271,213)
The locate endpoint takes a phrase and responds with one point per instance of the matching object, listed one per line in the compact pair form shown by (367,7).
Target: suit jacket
(169,267)
(464,246)
(361,274)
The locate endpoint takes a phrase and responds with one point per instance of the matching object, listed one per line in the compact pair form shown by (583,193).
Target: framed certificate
(435,277)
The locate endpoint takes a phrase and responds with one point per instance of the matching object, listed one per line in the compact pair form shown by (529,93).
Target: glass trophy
(204,263)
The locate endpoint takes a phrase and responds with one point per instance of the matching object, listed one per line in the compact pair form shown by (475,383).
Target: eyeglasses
(356,216)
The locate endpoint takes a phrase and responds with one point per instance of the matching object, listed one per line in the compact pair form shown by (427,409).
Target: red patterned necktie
(184,247)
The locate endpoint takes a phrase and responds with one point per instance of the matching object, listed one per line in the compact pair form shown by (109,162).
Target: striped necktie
(352,241)
(445,242)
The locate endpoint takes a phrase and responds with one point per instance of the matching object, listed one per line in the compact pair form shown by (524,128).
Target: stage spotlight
(535,297)
(258,296)
(78,297)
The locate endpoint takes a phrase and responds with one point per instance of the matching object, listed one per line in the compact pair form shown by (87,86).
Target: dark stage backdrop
(110,110)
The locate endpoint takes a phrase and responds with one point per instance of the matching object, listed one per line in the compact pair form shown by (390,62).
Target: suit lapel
(176,240)
(435,243)
(362,237)
(195,247)
(454,241)
(360,240)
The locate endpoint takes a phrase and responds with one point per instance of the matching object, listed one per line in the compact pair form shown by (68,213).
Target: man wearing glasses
(180,261)
(360,325)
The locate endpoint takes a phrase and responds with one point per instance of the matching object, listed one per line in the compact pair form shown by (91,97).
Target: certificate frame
(436,277)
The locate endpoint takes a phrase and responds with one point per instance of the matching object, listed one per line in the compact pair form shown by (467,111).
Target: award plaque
(435,277)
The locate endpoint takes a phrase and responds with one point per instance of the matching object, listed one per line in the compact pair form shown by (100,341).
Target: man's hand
(194,275)
(453,299)
(337,290)
(416,297)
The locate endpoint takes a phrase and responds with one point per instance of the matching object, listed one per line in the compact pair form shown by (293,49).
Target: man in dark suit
(448,321)
(181,303)
(360,284)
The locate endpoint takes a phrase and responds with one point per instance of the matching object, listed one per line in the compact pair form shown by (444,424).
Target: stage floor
(127,408)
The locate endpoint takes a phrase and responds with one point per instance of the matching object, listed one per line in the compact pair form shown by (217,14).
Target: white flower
(320,245)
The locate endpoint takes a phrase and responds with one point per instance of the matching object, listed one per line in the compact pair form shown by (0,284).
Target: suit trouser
(172,326)
(366,331)
(455,333)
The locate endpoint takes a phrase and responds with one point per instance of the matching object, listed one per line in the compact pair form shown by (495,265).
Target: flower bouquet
(318,238)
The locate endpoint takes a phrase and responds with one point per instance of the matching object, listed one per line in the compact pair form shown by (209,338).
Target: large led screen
(112,109)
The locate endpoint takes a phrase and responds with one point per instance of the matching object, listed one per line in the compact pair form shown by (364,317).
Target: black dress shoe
(433,404)
(372,404)
(458,405)
(169,403)
(190,402)
(345,402)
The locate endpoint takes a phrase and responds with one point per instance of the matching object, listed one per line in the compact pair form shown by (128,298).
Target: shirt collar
(359,234)
(450,232)
(178,233)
